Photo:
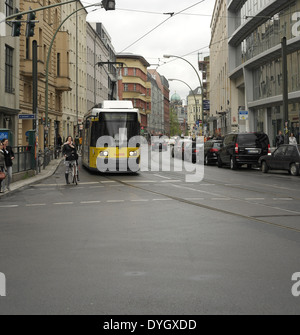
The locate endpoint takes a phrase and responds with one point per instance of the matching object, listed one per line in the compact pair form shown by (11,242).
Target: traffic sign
(243,115)
(26,116)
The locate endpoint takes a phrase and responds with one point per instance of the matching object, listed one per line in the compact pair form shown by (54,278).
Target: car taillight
(236,148)
(269,149)
(213,150)
(196,151)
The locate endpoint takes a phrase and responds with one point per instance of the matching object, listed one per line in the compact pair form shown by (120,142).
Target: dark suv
(243,148)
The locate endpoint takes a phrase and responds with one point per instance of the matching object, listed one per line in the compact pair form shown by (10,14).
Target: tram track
(258,219)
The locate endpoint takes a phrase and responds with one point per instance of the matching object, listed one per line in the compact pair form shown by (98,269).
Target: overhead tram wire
(171,16)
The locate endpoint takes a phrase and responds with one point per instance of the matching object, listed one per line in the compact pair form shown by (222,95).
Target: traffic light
(30,24)
(16,25)
(109,4)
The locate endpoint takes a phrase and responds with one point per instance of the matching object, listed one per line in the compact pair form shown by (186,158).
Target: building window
(125,71)
(9,69)
(58,65)
(125,87)
(9,9)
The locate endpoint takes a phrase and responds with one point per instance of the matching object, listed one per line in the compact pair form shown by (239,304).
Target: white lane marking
(140,200)
(158,175)
(115,201)
(283,199)
(107,181)
(217,199)
(32,205)
(63,203)
(90,202)
(9,206)
(95,187)
(162,199)
(254,199)
(138,181)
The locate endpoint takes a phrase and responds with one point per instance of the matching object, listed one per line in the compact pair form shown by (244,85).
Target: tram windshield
(119,126)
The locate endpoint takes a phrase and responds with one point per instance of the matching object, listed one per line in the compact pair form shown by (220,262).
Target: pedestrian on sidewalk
(292,139)
(2,166)
(279,139)
(9,157)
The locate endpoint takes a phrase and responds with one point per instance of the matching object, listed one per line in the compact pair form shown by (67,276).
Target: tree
(174,124)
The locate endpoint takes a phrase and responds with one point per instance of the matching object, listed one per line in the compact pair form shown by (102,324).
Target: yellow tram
(110,141)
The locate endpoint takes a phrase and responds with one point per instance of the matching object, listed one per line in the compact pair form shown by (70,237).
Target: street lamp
(191,91)
(169,56)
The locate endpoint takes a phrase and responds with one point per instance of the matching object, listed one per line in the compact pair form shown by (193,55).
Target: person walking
(279,139)
(2,167)
(70,153)
(292,139)
(9,157)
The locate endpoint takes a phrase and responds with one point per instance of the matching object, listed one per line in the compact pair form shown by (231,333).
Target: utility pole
(35,99)
(285,94)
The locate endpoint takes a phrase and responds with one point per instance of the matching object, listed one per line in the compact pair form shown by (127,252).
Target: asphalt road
(152,243)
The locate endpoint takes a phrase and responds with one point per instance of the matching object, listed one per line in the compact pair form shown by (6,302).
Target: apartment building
(9,68)
(247,61)
(134,84)
(101,77)
(49,119)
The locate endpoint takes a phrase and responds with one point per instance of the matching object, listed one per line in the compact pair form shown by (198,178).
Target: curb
(35,179)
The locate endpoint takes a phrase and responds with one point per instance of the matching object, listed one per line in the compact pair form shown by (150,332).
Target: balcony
(26,68)
(63,84)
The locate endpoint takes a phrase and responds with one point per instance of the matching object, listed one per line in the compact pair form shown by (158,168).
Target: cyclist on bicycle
(70,153)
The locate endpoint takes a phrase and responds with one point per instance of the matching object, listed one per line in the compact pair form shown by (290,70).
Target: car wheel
(233,164)
(294,169)
(264,167)
(220,164)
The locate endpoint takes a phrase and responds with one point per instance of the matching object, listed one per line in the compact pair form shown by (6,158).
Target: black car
(211,149)
(243,148)
(159,144)
(286,157)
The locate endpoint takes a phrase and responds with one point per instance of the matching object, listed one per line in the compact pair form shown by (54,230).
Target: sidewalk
(45,173)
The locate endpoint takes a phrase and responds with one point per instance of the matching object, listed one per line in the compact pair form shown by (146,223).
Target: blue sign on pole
(206,105)
(3,135)
(26,116)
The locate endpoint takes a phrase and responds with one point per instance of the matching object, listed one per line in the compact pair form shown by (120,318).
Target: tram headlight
(103,153)
(133,153)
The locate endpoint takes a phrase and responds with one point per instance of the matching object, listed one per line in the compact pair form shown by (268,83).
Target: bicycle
(73,172)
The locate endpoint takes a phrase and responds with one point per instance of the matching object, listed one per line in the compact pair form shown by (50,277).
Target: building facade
(162,103)
(134,84)
(194,111)
(101,78)
(223,117)
(256,66)
(48,120)
(9,79)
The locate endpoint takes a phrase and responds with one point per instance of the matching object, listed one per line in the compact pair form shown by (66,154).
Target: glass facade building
(256,57)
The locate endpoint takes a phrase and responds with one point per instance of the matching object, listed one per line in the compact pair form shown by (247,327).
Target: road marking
(158,175)
(283,199)
(217,199)
(140,200)
(32,205)
(107,181)
(96,187)
(115,201)
(195,199)
(63,203)
(9,206)
(253,199)
(90,202)
(162,199)
(138,181)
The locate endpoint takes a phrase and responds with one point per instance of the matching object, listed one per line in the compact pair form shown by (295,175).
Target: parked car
(211,149)
(179,147)
(238,149)
(286,157)
(159,144)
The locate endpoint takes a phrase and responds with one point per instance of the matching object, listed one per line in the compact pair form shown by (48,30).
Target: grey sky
(182,34)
